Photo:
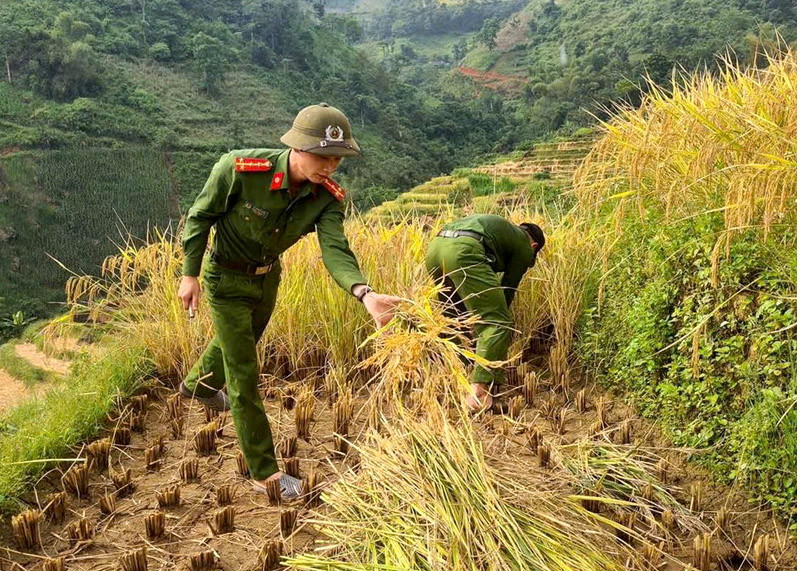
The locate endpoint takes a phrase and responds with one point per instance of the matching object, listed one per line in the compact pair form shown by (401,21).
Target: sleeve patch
(244,164)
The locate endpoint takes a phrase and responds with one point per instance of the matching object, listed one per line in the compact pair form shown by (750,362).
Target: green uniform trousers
(241,306)
(470,285)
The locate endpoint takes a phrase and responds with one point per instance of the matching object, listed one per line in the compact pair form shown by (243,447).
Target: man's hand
(381,307)
(189,292)
(480,399)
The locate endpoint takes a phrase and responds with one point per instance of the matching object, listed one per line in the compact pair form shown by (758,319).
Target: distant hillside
(175,85)
(549,62)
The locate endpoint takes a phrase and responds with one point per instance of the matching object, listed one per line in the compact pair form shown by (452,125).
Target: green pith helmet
(322,130)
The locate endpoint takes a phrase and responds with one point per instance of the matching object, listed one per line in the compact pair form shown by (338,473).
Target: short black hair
(535,232)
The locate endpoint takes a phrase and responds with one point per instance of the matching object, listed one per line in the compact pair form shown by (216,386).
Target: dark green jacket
(257,219)
(509,247)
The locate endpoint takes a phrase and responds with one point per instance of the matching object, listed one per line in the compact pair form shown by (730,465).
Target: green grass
(480,58)
(35,434)
(22,369)
(73,206)
(483,184)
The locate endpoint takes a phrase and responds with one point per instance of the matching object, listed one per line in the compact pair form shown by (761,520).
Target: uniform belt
(470,234)
(242,266)
(459,233)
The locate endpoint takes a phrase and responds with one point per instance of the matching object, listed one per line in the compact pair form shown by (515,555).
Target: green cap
(322,130)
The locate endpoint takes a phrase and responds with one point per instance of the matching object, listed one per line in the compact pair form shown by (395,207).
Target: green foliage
(36,433)
(416,17)
(488,33)
(211,56)
(713,364)
(483,184)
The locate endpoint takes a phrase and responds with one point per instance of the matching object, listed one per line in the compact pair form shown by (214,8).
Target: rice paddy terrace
(507,182)
(553,160)
(165,487)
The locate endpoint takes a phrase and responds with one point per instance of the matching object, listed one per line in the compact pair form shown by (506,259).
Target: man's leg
(463,262)
(233,312)
(207,375)
(476,289)
(479,288)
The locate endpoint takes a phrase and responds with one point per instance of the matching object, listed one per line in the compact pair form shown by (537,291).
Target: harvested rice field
(579,464)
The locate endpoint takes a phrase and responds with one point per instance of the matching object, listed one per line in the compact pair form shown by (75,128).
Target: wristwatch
(364,291)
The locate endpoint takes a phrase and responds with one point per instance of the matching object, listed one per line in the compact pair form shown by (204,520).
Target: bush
(705,347)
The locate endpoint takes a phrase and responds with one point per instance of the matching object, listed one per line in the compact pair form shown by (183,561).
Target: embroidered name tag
(256,210)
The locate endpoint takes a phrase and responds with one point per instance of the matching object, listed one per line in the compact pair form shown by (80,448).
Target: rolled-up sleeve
(336,253)
(208,207)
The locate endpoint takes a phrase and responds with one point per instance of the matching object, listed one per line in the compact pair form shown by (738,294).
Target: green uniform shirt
(509,245)
(257,218)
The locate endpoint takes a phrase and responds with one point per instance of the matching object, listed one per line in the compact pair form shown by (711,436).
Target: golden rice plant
(108,504)
(626,476)
(56,506)
(135,560)
(154,525)
(426,499)
(122,481)
(76,481)
(169,497)
(761,553)
(269,556)
(98,452)
(80,530)
(701,554)
(225,494)
(55,564)
(732,128)
(203,560)
(224,520)
(25,527)
(188,470)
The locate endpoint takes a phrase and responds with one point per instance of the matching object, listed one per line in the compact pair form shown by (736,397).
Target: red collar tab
(277,181)
(332,187)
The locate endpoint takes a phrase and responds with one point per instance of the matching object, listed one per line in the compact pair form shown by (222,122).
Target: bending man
(465,257)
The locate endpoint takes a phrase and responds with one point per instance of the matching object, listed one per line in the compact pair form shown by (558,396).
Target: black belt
(242,266)
(469,234)
(459,233)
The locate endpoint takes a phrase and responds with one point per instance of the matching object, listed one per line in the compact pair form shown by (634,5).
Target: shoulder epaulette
(245,164)
(333,187)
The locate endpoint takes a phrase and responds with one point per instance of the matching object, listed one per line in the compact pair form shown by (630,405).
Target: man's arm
(339,259)
(208,207)
(512,276)
(343,266)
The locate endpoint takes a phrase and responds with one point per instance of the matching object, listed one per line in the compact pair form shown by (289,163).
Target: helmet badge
(334,133)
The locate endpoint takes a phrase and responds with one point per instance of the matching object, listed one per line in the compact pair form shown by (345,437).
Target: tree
(487,35)
(211,57)
(459,50)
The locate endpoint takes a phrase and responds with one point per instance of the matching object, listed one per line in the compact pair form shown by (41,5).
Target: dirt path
(34,356)
(189,526)
(12,391)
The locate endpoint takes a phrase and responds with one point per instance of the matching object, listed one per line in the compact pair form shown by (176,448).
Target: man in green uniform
(465,257)
(261,201)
